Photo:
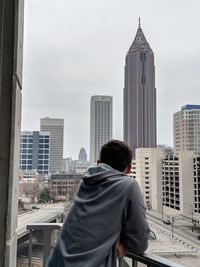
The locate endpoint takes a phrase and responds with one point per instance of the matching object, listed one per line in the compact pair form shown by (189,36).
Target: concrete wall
(11,47)
(186,182)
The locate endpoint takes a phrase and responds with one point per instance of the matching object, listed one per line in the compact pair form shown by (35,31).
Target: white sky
(76,48)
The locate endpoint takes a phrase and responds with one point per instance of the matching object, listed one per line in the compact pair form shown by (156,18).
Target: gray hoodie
(108,206)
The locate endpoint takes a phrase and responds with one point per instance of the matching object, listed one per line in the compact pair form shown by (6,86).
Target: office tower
(34,151)
(147,170)
(100,124)
(82,157)
(67,165)
(139,95)
(186,129)
(56,128)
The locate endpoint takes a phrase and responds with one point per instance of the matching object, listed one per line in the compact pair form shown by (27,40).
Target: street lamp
(173,219)
(162,211)
(191,206)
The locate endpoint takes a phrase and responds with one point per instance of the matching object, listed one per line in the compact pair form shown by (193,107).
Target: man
(107,217)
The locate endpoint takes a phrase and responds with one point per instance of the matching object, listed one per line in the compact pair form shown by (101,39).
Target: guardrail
(47,229)
(148,259)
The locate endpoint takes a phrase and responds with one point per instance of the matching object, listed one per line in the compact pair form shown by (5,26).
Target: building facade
(139,112)
(56,129)
(196,166)
(170,184)
(186,129)
(35,151)
(178,185)
(63,185)
(67,165)
(168,149)
(101,124)
(147,170)
(29,176)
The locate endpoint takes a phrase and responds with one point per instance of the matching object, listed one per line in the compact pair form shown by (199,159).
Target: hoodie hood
(100,173)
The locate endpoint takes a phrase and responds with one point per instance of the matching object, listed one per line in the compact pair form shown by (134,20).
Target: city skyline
(57,79)
(80,52)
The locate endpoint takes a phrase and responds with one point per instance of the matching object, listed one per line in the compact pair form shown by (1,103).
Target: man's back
(107,207)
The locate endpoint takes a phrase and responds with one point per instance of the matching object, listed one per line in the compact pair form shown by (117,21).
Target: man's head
(116,154)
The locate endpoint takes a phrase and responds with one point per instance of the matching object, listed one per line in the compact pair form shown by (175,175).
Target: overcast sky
(76,48)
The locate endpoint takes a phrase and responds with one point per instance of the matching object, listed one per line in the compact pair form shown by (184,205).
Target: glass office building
(34,151)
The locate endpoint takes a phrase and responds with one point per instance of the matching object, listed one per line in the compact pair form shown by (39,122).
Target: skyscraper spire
(140,41)
(139,25)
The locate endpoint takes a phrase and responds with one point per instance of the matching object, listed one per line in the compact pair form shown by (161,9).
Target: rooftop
(190,107)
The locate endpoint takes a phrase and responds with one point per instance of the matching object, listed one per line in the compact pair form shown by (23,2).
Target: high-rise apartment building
(170,184)
(147,170)
(140,95)
(34,151)
(100,124)
(178,183)
(56,129)
(186,129)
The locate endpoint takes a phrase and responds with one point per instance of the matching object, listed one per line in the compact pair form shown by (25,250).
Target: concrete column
(11,47)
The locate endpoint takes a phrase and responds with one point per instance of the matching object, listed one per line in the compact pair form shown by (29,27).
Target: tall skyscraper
(56,128)
(34,151)
(82,156)
(186,128)
(100,124)
(140,95)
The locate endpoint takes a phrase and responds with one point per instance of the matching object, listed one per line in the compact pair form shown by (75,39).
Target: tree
(44,195)
(71,192)
(70,198)
(20,205)
(31,190)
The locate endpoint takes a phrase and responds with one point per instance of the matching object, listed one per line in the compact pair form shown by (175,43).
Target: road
(45,213)
(178,232)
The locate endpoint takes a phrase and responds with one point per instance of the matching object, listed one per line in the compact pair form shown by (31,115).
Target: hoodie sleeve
(135,228)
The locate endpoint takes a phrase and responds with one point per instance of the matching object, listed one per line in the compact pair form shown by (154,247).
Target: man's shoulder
(128,182)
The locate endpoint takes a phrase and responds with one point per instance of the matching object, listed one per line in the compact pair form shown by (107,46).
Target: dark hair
(116,154)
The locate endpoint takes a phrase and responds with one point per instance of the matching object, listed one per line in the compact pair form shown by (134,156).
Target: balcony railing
(147,259)
(47,229)
(131,259)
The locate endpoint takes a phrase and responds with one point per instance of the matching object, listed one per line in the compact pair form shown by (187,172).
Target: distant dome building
(82,157)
